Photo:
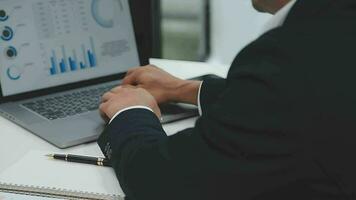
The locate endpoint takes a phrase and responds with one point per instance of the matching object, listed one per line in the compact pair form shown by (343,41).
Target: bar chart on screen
(45,44)
(83,57)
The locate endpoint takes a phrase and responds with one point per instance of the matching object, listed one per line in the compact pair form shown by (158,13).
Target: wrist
(129,108)
(187,92)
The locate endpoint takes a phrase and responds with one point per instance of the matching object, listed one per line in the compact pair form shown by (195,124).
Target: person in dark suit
(281,126)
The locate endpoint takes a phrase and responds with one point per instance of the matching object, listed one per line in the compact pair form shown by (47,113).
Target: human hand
(123,97)
(162,85)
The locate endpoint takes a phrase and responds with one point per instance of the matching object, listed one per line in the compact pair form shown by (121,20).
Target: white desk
(15,141)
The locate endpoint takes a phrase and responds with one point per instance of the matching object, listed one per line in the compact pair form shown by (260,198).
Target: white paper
(9,196)
(35,169)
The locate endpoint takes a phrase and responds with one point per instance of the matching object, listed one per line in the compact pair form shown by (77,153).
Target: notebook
(37,175)
(10,196)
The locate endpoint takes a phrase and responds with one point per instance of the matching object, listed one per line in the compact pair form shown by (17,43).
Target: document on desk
(38,175)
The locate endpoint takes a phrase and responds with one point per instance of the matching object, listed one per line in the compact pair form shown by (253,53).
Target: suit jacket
(281,126)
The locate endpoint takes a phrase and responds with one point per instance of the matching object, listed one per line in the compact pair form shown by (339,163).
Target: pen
(80,159)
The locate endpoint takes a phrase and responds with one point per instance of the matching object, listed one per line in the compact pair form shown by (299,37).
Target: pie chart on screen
(103,12)
(13,73)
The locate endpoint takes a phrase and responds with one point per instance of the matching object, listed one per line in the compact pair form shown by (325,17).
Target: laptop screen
(49,43)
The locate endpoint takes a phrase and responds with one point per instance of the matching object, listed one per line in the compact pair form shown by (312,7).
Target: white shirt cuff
(129,108)
(199,106)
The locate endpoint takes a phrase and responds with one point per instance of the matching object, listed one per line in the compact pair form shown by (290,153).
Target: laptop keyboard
(68,104)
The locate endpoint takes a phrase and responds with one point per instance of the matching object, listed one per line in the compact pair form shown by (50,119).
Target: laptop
(59,57)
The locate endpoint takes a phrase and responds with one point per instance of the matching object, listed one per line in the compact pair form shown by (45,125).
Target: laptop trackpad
(65,133)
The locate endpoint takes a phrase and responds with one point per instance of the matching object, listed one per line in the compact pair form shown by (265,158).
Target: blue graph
(72,63)
(7,33)
(13,73)
(3,16)
(105,23)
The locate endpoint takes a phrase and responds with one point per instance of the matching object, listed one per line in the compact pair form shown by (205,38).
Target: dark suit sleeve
(210,91)
(245,146)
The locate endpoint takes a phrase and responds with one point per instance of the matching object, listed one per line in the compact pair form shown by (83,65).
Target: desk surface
(15,141)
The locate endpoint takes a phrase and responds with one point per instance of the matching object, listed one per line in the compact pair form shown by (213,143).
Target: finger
(128,86)
(104,116)
(140,86)
(159,114)
(103,108)
(129,75)
(151,66)
(132,76)
(130,71)
(107,96)
(130,79)
(117,89)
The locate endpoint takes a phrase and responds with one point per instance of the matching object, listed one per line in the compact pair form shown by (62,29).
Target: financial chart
(48,43)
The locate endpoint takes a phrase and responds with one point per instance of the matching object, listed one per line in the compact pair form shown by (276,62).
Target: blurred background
(184,28)
(196,30)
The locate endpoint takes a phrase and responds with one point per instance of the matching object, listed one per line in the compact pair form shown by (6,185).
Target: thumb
(158,113)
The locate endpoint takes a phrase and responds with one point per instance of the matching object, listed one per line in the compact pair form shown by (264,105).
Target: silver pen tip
(50,155)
